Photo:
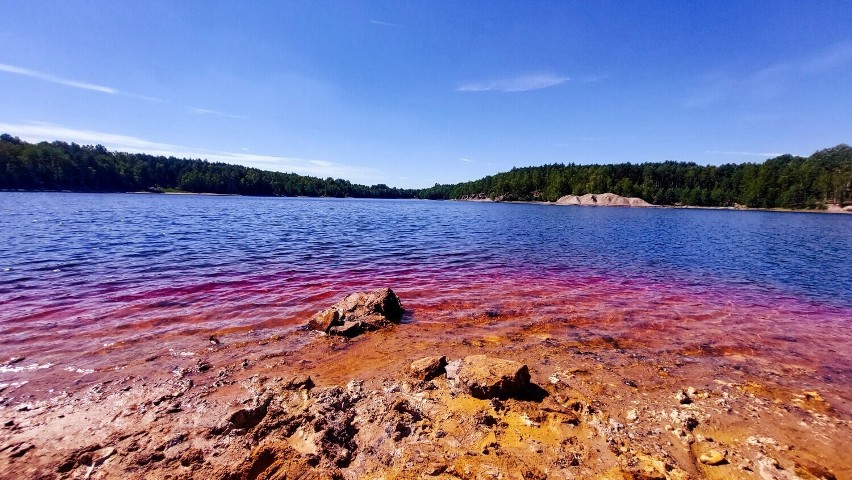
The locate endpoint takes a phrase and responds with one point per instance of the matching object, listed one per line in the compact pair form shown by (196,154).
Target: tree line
(786,181)
(64,166)
(782,182)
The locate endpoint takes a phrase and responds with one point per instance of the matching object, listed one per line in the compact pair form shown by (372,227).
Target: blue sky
(414,93)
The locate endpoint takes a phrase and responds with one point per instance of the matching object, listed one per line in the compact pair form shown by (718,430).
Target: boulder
(359,312)
(427,368)
(484,377)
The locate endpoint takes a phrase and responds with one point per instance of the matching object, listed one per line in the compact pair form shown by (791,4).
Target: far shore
(832,208)
(836,208)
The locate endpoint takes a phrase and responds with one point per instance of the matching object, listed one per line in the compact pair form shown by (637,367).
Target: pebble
(712,457)
(632,415)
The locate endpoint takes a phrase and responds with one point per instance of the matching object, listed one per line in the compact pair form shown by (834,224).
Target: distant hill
(782,182)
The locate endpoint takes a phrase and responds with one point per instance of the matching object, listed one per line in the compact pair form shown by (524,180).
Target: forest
(786,181)
(783,182)
(64,166)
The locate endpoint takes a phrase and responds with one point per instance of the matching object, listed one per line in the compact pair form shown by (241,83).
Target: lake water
(91,281)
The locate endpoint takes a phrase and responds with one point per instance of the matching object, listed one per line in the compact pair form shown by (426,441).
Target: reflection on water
(92,280)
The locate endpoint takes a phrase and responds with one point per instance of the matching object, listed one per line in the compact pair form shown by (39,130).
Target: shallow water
(92,281)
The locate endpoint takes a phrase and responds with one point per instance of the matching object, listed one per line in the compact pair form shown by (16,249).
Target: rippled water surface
(87,278)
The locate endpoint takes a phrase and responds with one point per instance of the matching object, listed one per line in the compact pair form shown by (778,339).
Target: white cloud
(747,154)
(385,24)
(37,132)
(54,79)
(522,83)
(205,111)
(108,90)
(466,160)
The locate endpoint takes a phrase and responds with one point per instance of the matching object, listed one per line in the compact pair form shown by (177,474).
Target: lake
(90,282)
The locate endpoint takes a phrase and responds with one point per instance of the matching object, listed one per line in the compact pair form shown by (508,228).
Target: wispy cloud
(745,154)
(55,79)
(47,77)
(466,160)
(522,83)
(37,132)
(205,111)
(385,24)
(770,81)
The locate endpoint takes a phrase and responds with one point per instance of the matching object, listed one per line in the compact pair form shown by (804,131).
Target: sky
(413,93)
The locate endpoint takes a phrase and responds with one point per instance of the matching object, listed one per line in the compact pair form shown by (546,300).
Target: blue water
(89,282)
(62,243)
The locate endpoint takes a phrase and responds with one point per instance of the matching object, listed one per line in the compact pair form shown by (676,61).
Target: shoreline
(304,403)
(833,208)
(679,207)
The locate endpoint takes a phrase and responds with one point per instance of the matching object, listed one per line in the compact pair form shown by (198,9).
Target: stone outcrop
(484,377)
(602,200)
(358,313)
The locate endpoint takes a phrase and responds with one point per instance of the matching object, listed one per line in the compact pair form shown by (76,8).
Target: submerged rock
(484,377)
(358,313)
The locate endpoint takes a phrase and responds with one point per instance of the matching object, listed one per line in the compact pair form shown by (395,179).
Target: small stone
(100,456)
(683,398)
(813,395)
(436,469)
(303,382)
(713,457)
(632,415)
(427,368)
(690,423)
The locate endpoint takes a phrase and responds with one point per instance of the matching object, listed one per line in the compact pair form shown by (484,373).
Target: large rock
(359,312)
(602,200)
(484,377)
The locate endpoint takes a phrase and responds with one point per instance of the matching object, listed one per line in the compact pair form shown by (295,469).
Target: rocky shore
(381,398)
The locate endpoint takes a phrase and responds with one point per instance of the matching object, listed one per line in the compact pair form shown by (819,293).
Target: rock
(813,395)
(427,368)
(81,456)
(603,200)
(713,457)
(359,312)
(348,329)
(683,398)
(808,468)
(324,320)
(484,377)
(632,415)
(246,418)
(299,383)
(19,449)
(690,423)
